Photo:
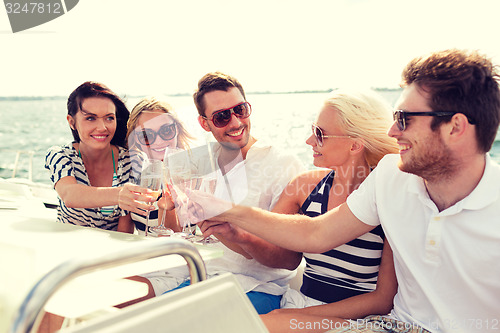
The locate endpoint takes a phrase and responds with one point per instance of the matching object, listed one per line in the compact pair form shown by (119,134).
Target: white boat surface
(50,267)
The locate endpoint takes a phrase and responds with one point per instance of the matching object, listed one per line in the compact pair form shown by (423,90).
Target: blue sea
(282,119)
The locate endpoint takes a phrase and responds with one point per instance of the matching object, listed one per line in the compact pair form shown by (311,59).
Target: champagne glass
(151,177)
(208,184)
(191,169)
(160,230)
(178,169)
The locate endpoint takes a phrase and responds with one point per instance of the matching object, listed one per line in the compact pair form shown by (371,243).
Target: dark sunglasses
(147,136)
(400,116)
(318,134)
(222,117)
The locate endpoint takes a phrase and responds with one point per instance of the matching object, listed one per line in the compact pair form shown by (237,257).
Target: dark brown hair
(214,81)
(460,81)
(95,89)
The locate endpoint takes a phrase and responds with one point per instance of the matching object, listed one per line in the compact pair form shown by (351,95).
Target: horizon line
(56,97)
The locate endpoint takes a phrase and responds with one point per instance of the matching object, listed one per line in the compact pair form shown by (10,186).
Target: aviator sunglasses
(222,117)
(318,134)
(400,116)
(147,136)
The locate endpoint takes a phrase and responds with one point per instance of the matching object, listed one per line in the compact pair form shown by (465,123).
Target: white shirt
(447,263)
(267,173)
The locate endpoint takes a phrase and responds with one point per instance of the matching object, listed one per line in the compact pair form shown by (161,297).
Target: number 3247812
(33,8)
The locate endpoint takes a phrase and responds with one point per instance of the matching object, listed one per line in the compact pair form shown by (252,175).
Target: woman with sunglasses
(153,127)
(88,173)
(348,140)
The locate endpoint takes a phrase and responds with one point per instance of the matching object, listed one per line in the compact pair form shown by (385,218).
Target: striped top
(64,161)
(348,270)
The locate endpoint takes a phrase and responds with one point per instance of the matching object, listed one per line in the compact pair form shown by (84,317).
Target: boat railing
(43,191)
(30,154)
(28,317)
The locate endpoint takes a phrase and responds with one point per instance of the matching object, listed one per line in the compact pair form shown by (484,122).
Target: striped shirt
(64,161)
(348,270)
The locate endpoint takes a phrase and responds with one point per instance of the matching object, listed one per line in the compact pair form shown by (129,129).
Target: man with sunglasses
(262,269)
(438,202)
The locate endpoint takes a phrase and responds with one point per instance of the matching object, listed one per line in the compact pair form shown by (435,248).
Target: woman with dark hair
(89,173)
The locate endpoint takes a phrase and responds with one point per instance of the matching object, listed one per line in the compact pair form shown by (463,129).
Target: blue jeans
(262,302)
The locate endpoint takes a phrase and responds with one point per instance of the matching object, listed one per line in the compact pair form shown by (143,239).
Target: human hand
(223,230)
(166,202)
(198,205)
(231,236)
(134,198)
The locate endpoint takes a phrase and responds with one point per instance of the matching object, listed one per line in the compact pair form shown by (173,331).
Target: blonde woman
(348,139)
(153,126)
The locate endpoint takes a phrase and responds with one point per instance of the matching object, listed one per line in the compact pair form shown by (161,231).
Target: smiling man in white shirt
(256,173)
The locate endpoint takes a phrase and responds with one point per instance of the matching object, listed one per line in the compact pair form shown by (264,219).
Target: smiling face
(236,134)
(95,122)
(422,151)
(335,152)
(156,121)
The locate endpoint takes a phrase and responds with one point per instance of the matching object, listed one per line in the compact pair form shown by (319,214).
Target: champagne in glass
(160,230)
(192,169)
(151,177)
(178,171)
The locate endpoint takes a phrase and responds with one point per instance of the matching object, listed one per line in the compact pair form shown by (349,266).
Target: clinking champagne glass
(208,184)
(160,230)
(192,169)
(151,178)
(178,170)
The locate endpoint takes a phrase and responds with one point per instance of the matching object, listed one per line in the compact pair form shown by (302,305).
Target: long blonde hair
(366,116)
(153,104)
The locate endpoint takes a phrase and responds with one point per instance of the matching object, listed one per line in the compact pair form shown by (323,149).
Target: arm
(77,195)
(269,254)
(264,252)
(129,197)
(125,224)
(280,179)
(60,162)
(171,220)
(379,301)
(295,232)
(251,246)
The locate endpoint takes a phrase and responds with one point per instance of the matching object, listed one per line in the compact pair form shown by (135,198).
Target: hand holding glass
(160,230)
(151,177)
(189,170)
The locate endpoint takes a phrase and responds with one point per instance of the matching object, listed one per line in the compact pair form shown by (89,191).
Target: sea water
(281,119)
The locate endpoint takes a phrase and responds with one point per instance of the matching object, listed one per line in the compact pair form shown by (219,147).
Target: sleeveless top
(348,270)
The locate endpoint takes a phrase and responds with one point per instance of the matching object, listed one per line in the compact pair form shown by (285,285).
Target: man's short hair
(461,81)
(211,82)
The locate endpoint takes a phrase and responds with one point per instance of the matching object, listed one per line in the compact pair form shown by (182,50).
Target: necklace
(112,157)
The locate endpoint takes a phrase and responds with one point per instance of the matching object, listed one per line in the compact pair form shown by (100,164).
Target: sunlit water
(282,119)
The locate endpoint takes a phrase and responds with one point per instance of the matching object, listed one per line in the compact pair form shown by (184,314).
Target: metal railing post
(28,316)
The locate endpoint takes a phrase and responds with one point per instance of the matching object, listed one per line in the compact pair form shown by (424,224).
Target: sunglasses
(320,137)
(400,116)
(222,117)
(147,136)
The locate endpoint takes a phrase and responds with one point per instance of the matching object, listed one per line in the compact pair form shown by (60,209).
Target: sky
(155,47)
